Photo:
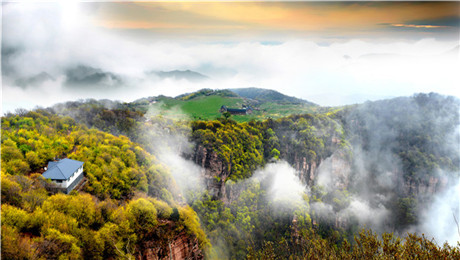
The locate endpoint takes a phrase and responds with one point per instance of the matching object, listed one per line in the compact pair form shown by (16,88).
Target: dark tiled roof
(62,170)
(236,110)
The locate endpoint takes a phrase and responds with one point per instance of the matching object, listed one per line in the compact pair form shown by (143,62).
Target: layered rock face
(213,171)
(166,243)
(305,169)
(430,187)
(216,173)
(180,247)
(334,172)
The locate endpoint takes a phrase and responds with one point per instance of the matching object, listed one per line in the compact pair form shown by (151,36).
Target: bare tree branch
(456,222)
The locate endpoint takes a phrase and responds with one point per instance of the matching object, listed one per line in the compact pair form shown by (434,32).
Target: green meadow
(207,108)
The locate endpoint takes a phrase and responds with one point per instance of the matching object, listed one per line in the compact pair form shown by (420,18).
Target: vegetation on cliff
(393,156)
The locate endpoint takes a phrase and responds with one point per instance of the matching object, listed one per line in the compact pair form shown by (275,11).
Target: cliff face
(216,173)
(305,169)
(180,247)
(166,243)
(213,171)
(334,172)
(427,188)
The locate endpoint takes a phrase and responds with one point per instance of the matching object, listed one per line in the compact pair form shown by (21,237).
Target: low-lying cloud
(39,38)
(283,187)
(441,219)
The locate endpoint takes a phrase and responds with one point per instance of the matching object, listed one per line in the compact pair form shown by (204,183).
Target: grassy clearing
(207,108)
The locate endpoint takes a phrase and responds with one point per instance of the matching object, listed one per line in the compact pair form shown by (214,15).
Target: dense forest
(301,186)
(129,197)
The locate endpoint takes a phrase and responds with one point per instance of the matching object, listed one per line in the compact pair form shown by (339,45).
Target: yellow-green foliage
(36,138)
(81,207)
(101,224)
(14,217)
(368,245)
(114,166)
(142,214)
(163,209)
(65,245)
(190,219)
(80,225)
(239,146)
(20,191)
(15,246)
(243,147)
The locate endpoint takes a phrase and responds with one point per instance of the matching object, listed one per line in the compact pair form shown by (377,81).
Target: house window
(59,181)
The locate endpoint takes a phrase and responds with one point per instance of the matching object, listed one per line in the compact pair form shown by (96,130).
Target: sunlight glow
(70,13)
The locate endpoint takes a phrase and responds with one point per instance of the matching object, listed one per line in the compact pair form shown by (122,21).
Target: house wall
(66,184)
(74,184)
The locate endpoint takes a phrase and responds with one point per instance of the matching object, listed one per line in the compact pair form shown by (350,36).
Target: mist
(336,73)
(440,218)
(170,143)
(283,187)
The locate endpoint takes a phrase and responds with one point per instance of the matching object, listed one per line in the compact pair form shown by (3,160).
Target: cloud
(367,215)
(423,26)
(36,80)
(284,188)
(440,219)
(445,21)
(39,38)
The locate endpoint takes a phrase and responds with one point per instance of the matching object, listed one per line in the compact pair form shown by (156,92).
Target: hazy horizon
(332,53)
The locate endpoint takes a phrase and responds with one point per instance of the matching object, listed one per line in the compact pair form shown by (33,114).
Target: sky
(330,53)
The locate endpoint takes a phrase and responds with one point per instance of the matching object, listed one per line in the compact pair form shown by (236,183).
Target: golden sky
(269,20)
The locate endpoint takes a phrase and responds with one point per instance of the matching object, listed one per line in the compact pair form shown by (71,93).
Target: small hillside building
(65,174)
(236,111)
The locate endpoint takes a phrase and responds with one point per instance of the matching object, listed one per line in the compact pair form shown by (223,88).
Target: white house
(65,173)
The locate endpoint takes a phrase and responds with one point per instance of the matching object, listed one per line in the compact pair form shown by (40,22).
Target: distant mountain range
(34,80)
(180,75)
(85,76)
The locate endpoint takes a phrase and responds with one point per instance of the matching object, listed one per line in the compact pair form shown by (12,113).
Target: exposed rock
(214,171)
(334,172)
(305,169)
(420,188)
(167,243)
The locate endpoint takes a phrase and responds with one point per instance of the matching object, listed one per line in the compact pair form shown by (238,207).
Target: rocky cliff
(214,171)
(166,242)
(427,188)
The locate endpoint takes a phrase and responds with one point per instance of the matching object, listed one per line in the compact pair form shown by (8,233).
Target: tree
(227,115)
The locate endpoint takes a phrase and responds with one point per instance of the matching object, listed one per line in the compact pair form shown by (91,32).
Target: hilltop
(268,95)
(205,104)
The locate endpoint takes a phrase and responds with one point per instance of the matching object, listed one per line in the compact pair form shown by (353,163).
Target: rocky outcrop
(430,187)
(180,247)
(165,242)
(305,169)
(214,171)
(336,167)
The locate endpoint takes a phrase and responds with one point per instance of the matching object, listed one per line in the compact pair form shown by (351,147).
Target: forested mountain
(300,186)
